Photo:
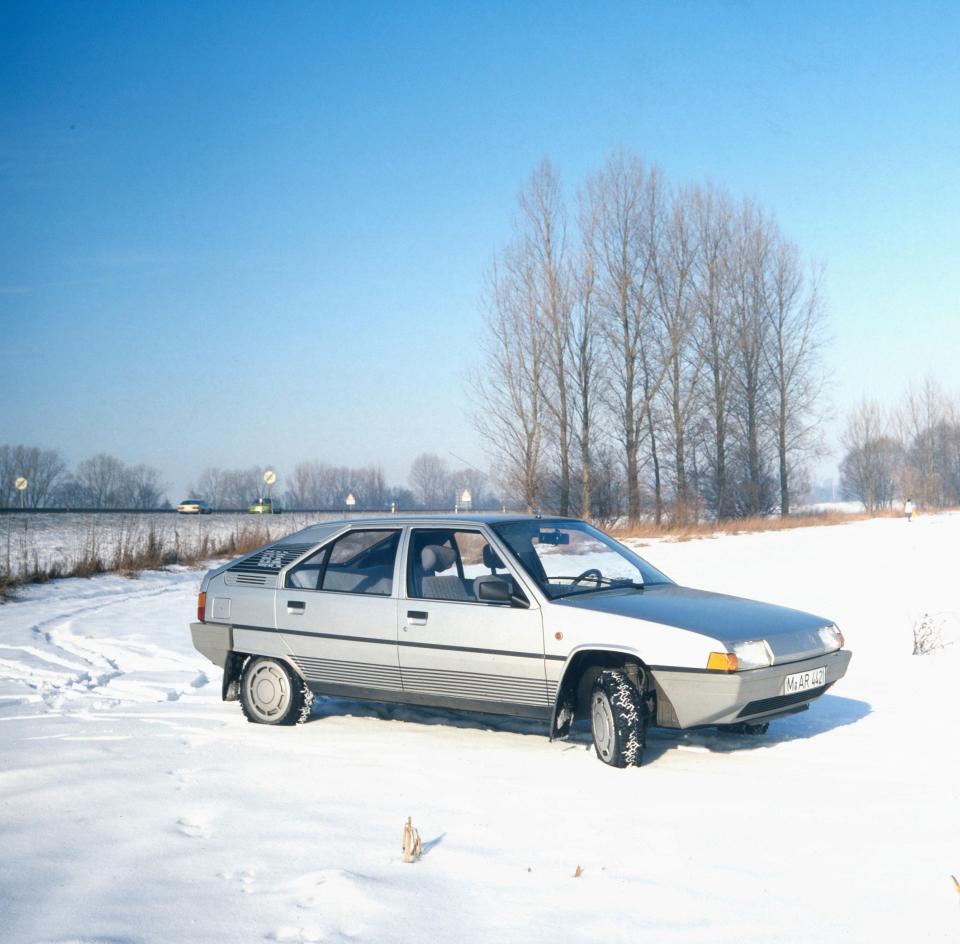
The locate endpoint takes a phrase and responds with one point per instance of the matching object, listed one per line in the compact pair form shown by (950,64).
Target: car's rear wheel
(272,693)
(618,718)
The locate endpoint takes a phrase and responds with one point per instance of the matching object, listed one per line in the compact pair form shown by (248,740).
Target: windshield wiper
(610,584)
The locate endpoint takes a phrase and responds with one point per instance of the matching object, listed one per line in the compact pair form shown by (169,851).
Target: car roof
(322,529)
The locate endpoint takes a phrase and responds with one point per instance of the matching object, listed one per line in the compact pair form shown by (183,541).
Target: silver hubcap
(602,719)
(268,691)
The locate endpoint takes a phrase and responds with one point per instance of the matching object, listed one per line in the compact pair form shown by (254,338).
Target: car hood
(791,634)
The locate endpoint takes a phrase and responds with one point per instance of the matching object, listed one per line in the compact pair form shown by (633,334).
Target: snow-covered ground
(136,807)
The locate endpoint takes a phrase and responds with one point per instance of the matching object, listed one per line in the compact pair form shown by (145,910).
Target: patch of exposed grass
(705,529)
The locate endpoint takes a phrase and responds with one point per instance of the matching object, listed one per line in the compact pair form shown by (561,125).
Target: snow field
(135,806)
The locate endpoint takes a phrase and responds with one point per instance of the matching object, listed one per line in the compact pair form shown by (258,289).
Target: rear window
(359,562)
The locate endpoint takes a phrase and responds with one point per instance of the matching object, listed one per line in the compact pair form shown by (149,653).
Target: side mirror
(492,589)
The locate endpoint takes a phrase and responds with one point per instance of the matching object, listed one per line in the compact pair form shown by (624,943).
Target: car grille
(779,702)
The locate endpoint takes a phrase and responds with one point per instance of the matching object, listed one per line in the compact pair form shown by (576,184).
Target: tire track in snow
(60,665)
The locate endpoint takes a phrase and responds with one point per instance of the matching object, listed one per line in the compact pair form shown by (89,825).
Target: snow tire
(272,693)
(619,717)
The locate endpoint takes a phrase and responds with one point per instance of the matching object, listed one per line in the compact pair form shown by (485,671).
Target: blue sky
(238,233)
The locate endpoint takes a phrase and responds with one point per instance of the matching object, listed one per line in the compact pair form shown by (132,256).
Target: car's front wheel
(271,693)
(618,718)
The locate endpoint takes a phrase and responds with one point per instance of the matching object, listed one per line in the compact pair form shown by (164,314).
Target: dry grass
(132,550)
(706,529)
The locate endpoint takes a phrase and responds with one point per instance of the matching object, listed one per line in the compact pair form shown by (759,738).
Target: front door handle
(417,617)
(296,607)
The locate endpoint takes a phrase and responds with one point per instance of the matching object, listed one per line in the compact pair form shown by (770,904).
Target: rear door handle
(417,617)
(296,607)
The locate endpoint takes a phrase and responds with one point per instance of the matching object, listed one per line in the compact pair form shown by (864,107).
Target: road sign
(270,476)
(20,484)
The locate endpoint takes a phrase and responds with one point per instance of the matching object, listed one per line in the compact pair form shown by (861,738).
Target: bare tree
(716,337)
(751,251)
(679,328)
(585,353)
(675,260)
(545,239)
(140,488)
(872,459)
(42,468)
(475,482)
(430,480)
(792,352)
(512,380)
(101,477)
(923,412)
(624,201)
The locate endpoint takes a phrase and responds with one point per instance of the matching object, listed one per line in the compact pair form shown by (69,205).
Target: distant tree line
(431,485)
(315,485)
(102,481)
(655,352)
(908,450)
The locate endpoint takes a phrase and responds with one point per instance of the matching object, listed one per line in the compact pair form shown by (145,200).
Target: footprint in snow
(194,827)
(245,879)
(289,932)
(200,680)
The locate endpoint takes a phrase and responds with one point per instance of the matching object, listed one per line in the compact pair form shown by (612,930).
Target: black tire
(618,718)
(272,693)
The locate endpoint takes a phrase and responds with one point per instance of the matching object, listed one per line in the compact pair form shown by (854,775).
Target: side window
(359,562)
(451,565)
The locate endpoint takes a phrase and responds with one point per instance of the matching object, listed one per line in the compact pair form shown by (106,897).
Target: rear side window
(358,562)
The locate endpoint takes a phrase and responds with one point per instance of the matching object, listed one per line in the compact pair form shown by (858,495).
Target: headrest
(436,558)
(491,558)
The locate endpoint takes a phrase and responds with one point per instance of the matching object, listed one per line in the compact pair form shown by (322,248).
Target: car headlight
(831,636)
(753,654)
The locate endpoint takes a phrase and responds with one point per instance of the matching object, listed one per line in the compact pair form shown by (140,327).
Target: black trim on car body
(402,642)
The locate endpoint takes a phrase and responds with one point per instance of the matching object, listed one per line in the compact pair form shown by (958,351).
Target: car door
(337,614)
(457,651)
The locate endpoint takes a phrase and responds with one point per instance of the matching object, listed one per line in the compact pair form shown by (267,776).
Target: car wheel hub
(269,691)
(602,719)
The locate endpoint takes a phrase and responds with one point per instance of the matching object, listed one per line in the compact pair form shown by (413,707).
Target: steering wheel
(592,573)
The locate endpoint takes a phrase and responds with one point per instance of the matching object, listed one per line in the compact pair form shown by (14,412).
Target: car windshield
(571,557)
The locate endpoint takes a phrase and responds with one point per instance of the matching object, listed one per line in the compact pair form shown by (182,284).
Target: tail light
(202,606)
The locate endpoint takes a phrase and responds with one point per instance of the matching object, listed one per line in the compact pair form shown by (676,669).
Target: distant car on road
(517,615)
(264,506)
(193,506)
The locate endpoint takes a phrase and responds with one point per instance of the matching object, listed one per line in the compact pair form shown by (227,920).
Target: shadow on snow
(825,714)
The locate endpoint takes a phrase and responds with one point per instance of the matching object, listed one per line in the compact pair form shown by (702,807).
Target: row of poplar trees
(654,353)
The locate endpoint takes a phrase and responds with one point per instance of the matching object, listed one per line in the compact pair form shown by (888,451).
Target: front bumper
(688,699)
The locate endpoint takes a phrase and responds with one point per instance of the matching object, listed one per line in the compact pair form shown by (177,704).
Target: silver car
(529,616)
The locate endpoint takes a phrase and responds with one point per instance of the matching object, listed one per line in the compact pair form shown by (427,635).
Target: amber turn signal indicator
(723,662)
(202,606)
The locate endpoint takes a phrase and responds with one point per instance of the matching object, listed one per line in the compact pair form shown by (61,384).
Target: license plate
(803,681)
